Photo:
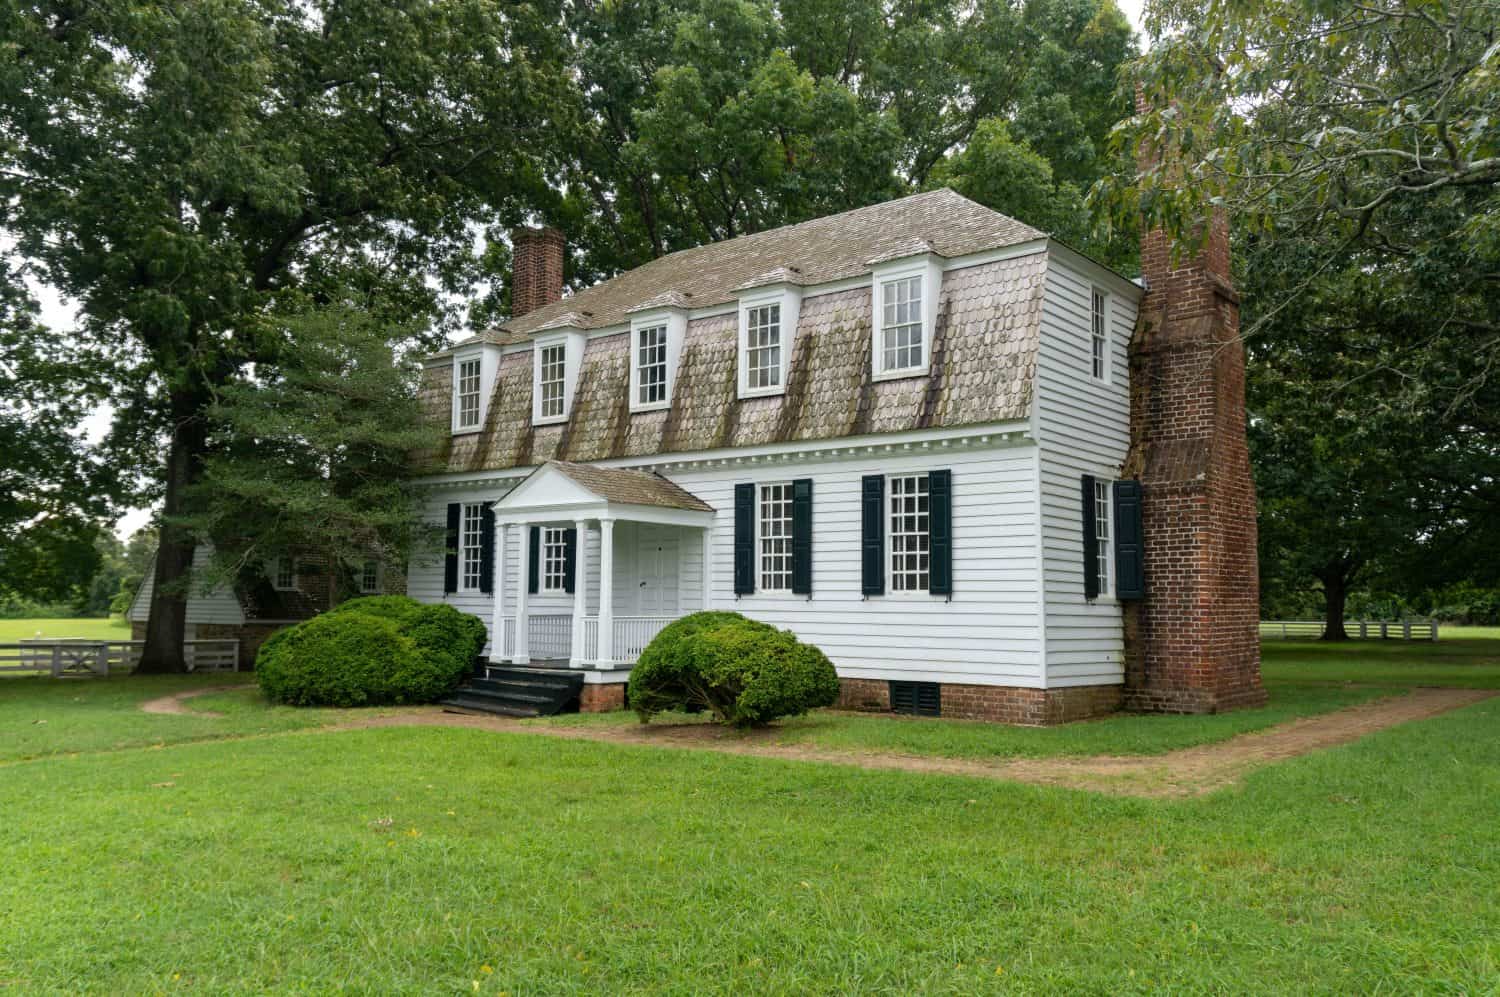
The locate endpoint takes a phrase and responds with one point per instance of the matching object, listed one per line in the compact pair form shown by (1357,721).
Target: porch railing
(551,637)
(633,633)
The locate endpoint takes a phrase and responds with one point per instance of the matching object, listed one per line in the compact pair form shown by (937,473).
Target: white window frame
(1104,533)
(286,565)
(928,270)
(553,558)
(779,494)
(674,321)
(1099,337)
(471,547)
(552,378)
(787,299)
(374,578)
(487,357)
(572,343)
(889,514)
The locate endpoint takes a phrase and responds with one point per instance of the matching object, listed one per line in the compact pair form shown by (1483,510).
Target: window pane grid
(469,548)
(909,534)
(468,393)
(286,574)
(763,347)
(651,360)
(554,559)
(901,323)
(776,537)
(369,576)
(1102,531)
(1100,338)
(553,363)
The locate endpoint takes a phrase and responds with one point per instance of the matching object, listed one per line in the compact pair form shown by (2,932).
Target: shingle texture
(631,487)
(983,368)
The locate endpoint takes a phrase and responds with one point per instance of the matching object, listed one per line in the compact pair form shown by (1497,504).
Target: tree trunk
(1335,593)
(166,625)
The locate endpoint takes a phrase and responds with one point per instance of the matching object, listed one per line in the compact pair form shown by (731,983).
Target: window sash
(651,365)
(471,554)
(554,366)
(554,559)
(1100,338)
(468,393)
(774,528)
(286,574)
(1102,524)
(909,533)
(369,577)
(763,347)
(901,324)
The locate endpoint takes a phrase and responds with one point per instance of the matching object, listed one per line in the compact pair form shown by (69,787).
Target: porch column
(708,563)
(606,593)
(497,614)
(522,654)
(580,591)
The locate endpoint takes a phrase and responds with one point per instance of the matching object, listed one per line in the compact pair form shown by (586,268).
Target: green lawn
(95,629)
(420,860)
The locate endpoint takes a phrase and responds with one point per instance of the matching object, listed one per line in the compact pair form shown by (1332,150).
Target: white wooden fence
(60,656)
(1356,629)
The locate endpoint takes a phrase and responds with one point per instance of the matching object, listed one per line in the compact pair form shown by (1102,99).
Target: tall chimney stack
(536,269)
(1193,644)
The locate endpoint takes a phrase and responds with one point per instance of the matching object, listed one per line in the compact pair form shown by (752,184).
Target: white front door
(656,562)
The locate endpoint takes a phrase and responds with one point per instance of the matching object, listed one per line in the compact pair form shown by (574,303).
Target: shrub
(746,672)
(367,652)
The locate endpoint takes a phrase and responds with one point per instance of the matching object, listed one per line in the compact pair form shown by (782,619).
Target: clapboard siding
(1082,428)
(216,606)
(990,632)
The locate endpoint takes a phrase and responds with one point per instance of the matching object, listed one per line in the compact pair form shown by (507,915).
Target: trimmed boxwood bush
(372,651)
(748,673)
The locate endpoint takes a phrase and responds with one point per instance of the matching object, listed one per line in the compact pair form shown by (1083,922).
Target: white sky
(58,313)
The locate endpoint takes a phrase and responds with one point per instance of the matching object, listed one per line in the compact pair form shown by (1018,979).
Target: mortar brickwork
(537,269)
(994,703)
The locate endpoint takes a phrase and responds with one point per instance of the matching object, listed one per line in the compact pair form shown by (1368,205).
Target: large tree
(192,171)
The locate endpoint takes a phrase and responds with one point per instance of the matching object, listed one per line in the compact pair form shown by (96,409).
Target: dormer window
(554,380)
(768,326)
(905,294)
(656,334)
(651,365)
(474,371)
(468,393)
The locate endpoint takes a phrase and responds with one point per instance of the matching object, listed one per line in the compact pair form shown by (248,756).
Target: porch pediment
(563,491)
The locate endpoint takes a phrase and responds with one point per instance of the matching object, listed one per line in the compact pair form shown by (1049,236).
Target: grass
(92,628)
(1468,661)
(419,860)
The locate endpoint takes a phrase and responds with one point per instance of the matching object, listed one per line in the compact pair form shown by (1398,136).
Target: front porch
(591,563)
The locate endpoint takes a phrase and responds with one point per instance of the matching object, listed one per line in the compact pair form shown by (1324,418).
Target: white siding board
(220,605)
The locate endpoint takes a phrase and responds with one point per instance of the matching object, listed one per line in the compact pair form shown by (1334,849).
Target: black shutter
(872,544)
(450,557)
(1090,541)
(486,549)
(570,567)
(1130,545)
(744,539)
(802,536)
(533,566)
(940,532)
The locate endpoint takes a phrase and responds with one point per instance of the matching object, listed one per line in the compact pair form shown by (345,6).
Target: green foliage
(368,652)
(748,673)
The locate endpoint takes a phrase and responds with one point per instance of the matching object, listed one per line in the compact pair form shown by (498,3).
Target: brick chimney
(536,269)
(1192,645)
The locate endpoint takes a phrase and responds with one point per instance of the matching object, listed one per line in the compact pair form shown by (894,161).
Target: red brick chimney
(1192,645)
(536,269)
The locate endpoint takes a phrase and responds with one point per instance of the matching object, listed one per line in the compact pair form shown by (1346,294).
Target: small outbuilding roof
(630,487)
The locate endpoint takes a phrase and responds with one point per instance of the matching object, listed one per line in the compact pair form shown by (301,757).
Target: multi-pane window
(651,365)
(776,537)
(1102,531)
(763,347)
(369,577)
(554,559)
(471,552)
(901,323)
(1100,338)
(468,393)
(285,577)
(554,366)
(910,533)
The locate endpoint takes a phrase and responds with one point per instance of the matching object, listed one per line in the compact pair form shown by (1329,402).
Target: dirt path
(173,705)
(1186,772)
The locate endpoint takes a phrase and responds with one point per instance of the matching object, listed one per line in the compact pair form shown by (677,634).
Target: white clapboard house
(894,431)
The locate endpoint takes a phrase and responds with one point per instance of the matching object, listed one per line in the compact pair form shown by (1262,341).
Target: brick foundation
(994,703)
(601,697)
(1192,645)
